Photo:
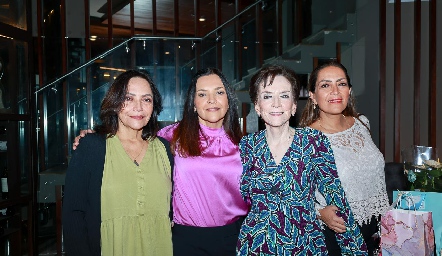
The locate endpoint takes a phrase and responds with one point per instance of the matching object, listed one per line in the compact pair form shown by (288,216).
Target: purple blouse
(206,188)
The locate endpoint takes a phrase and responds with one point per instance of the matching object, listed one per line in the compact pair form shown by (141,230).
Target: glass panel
(209,52)
(248,34)
(76,52)
(329,14)
(270,31)
(54,127)
(24,165)
(13,13)
(187,72)
(163,73)
(229,48)
(78,111)
(14,86)
(99,89)
(289,31)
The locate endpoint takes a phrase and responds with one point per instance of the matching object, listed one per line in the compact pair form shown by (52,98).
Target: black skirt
(195,241)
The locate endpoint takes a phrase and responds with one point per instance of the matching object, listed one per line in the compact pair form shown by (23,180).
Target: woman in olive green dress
(118,184)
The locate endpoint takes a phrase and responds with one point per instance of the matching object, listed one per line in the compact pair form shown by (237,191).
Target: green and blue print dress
(282,219)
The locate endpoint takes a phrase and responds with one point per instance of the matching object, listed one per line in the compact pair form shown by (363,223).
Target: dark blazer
(82,195)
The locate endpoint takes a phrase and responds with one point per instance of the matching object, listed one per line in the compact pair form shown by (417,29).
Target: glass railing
(71,102)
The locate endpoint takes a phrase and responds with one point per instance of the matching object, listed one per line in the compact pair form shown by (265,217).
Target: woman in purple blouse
(208,208)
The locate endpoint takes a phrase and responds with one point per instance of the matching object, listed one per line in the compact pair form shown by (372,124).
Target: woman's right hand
(333,221)
(82,134)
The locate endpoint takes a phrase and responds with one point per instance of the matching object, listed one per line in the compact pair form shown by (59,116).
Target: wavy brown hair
(113,103)
(266,76)
(311,114)
(186,138)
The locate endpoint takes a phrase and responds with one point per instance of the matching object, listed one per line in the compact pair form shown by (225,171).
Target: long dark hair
(113,103)
(185,138)
(311,113)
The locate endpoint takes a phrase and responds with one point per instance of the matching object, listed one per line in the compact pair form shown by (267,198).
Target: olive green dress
(135,202)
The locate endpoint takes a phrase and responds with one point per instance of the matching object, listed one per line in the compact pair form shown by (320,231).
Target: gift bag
(407,233)
(424,201)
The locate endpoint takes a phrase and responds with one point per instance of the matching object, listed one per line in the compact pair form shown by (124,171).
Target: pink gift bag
(407,233)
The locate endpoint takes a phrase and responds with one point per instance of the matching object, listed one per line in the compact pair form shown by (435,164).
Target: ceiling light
(202,18)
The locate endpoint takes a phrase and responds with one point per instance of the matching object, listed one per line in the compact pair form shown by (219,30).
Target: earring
(314,106)
(194,109)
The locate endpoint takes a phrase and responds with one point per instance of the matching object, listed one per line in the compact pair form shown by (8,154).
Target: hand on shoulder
(81,135)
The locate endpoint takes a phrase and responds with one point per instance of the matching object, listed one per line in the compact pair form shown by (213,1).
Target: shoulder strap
(172,162)
(169,153)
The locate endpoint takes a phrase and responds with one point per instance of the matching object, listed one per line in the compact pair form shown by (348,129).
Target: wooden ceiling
(143,16)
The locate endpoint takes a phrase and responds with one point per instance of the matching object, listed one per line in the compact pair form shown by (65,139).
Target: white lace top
(360,167)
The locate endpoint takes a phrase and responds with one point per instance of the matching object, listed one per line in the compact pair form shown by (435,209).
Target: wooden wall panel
(414,94)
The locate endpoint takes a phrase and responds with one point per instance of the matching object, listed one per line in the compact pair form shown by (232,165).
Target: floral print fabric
(282,219)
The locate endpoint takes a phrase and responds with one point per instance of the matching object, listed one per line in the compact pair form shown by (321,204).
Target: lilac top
(206,188)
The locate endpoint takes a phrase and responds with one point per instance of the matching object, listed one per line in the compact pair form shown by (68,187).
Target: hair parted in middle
(113,102)
(186,137)
(311,112)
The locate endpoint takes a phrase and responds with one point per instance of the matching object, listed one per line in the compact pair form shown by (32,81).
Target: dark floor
(46,238)
(47,246)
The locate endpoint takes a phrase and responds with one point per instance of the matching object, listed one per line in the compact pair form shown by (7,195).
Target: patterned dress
(282,219)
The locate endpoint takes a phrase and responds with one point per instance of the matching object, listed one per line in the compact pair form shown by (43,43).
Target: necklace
(331,129)
(139,153)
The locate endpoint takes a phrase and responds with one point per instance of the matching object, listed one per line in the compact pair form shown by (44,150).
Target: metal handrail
(110,51)
(231,19)
(140,37)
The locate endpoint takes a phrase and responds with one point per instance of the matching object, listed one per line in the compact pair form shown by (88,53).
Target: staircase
(322,45)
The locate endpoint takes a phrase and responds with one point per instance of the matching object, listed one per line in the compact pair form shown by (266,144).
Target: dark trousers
(367,231)
(198,241)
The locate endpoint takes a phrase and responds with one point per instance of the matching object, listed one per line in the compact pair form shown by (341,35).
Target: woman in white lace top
(359,162)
